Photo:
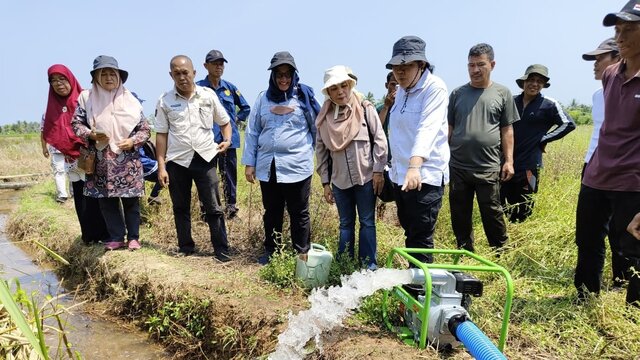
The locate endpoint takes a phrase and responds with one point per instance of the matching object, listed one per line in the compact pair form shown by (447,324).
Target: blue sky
(144,35)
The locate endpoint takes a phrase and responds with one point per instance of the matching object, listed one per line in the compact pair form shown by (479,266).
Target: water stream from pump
(329,306)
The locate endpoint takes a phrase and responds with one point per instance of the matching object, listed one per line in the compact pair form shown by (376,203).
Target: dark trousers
(295,196)
(227,164)
(153,177)
(203,174)
(516,195)
(122,216)
(463,186)
(597,212)
(92,225)
(418,213)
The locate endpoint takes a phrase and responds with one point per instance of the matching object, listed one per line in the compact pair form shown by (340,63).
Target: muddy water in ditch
(93,338)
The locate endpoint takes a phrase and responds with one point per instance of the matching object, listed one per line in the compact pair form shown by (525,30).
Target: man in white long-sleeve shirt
(605,54)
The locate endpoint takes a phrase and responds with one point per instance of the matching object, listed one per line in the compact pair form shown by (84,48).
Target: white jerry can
(315,271)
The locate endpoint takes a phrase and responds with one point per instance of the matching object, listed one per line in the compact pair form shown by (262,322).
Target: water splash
(330,306)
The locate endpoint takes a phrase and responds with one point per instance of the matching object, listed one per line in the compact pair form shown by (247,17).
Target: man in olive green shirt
(481,114)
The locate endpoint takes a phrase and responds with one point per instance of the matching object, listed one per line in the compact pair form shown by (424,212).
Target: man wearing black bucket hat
(230,97)
(611,183)
(481,114)
(538,115)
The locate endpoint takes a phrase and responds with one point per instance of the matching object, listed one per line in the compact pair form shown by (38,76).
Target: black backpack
(149,149)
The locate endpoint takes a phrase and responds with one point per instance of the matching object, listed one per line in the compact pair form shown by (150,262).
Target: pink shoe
(114,245)
(134,245)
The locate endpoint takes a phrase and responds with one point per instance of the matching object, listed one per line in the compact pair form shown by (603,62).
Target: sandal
(114,245)
(134,245)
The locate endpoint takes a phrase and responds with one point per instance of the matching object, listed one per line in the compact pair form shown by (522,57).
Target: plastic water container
(315,271)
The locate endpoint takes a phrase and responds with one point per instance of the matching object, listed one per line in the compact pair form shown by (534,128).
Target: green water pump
(438,299)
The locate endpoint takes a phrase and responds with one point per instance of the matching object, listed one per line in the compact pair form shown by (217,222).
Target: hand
(507,171)
(634,226)
(390,99)
(100,136)
(250,173)
(45,151)
(126,144)
(413,180)
(328,194)
(163,177)
(223,146)
(378,182)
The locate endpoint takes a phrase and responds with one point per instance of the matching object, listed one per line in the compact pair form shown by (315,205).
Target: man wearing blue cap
(230,97)
(611,183)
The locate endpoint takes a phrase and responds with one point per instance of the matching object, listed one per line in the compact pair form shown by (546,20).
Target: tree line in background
(20,127)
(580,113)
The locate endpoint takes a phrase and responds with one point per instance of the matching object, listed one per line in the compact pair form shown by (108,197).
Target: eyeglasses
(283,75)
(58,81)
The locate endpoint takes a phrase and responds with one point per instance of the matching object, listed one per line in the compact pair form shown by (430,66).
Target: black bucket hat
(105,61)
(281,58)
(534,69)
(406,50)
(606,46)
(630,12)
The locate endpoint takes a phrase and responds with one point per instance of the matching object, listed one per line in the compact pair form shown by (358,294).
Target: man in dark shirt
(611,183)
(230,97)
(538,115)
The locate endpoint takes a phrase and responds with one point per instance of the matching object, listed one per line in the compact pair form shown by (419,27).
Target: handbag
(87,161)
(387,194)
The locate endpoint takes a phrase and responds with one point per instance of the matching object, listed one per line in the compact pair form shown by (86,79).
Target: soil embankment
(195,306)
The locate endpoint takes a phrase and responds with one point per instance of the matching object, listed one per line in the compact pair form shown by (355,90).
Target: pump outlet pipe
(474,339)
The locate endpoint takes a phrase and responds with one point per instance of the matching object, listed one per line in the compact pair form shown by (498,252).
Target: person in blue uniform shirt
(231,100)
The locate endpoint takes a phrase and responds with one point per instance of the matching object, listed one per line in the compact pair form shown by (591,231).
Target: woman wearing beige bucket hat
(351,152)
(418,141)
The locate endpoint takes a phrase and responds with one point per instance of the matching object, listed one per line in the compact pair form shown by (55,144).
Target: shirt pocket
(413,109)
(178,122)
(362,143)
(228,102)
(206,116)
(296,119)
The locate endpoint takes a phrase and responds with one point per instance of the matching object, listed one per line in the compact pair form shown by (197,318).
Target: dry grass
(22,154)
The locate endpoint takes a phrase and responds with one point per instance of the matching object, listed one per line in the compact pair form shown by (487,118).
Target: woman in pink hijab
(59,141)
(110,119)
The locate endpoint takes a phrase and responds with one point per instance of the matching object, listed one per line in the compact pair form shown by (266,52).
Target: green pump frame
(423,310)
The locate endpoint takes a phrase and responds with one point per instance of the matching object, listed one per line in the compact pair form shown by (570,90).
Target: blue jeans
(358,197)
